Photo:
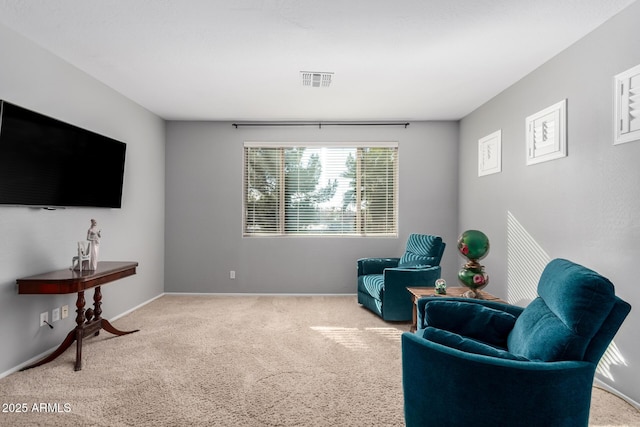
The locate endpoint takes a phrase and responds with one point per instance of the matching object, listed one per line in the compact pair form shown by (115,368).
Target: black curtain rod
(320,124)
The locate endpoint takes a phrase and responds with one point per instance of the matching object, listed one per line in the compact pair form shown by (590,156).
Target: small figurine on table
(93,236)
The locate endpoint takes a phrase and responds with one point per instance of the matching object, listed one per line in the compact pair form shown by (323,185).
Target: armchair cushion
(371,284)
(422,250)
(465,344)
(514,310)
(572,306)
(471,320)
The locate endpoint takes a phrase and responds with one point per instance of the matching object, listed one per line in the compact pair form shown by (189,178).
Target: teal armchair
(383,282)
(483,363)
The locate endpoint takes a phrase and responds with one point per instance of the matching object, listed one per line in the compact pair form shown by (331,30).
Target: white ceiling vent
(316,78)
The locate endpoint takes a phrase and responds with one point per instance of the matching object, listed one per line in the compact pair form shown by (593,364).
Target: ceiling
(241,59)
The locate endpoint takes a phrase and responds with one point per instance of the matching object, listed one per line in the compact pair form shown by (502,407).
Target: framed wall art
(547,134)
(626,107)
(490,154)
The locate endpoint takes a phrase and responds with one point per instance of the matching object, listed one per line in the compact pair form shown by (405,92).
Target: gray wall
(204,210)
(584,207)
(36,241)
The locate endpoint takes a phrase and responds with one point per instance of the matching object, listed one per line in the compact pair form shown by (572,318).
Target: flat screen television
(45,162)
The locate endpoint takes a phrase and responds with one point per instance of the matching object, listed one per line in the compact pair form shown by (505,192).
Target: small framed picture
(490,154)
(626,120)
(547,134)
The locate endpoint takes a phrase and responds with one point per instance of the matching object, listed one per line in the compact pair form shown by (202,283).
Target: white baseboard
(28,362)
(226,294)
(52,349)
(135,308)
(612,390)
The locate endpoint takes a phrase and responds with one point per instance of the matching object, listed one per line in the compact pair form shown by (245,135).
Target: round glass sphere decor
(473,245)
(441,287)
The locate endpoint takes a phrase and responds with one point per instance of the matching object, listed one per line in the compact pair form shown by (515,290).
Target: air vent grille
(316,78)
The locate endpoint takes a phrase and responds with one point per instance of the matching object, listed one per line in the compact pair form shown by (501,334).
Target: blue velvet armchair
(382,282)
(483,363)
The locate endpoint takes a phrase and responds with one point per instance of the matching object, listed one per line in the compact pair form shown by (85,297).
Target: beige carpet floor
(235,361)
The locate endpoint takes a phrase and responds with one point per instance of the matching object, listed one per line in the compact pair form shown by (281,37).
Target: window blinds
(320,189)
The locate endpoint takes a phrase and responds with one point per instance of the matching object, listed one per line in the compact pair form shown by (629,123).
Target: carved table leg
(85,319)
(80,302)
(111,329)
(71,337)
(414,316)
(97,305)
(104,323)
(74,335)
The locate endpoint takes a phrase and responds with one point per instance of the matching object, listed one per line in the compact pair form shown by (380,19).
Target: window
(320,189)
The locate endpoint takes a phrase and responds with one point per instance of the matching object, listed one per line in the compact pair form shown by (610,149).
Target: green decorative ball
(473,244)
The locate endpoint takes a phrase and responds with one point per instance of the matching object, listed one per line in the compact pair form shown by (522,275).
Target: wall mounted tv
(45,162)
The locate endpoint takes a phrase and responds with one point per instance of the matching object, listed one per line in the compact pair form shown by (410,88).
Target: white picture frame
(490,154)
(626,106)
(546,133)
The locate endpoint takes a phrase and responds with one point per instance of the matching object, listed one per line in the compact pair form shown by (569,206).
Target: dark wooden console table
(88,321)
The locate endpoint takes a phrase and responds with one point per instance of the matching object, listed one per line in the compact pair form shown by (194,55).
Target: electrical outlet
(232,274)
(44,318)
(65,311)
(55,314)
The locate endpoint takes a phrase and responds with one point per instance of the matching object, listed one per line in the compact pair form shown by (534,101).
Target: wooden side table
(456,291)
(89,321)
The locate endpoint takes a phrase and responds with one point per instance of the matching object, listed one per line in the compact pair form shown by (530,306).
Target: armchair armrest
(375,265)
(395,297)
(496,390)
(411,277)
(508,308)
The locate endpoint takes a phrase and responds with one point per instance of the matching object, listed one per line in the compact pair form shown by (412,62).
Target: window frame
(282,232)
